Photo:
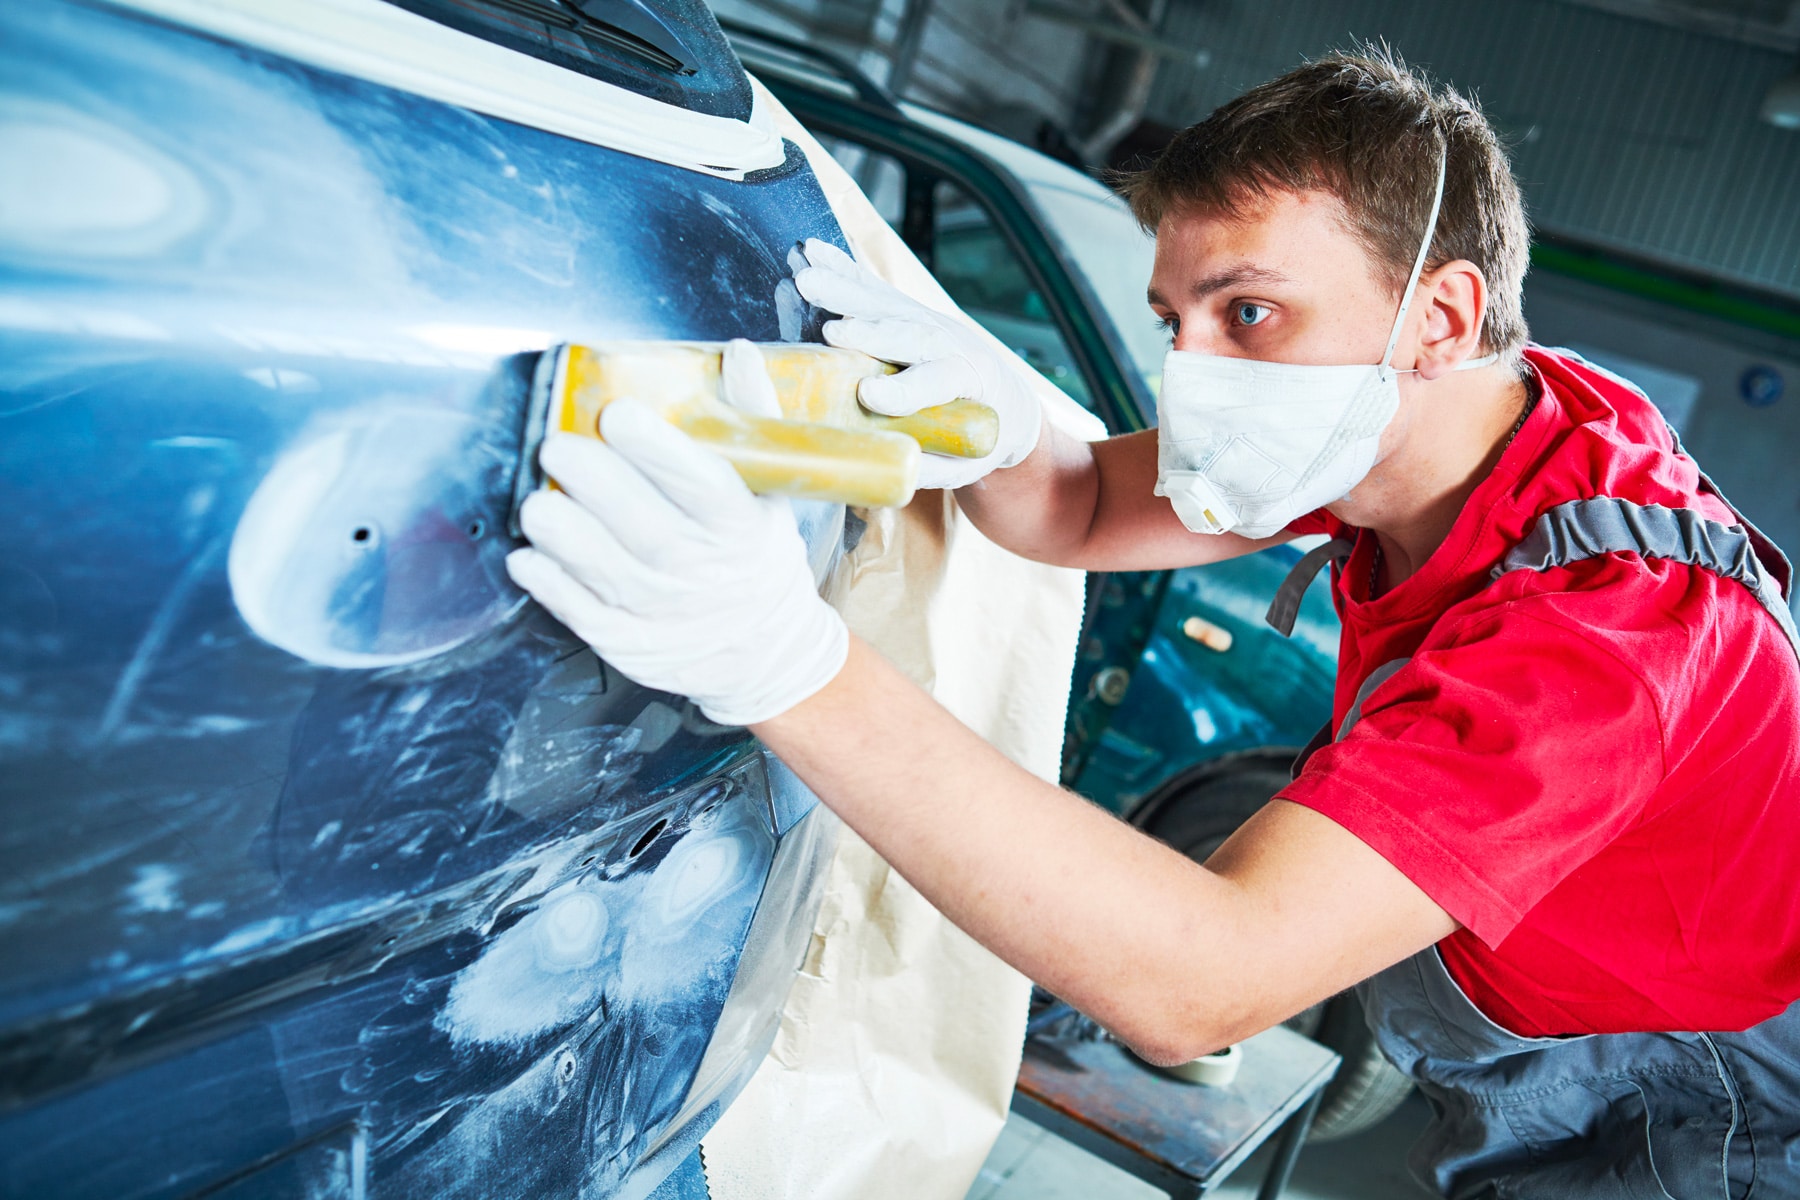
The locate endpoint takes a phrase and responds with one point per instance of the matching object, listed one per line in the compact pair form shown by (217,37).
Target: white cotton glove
(657,556)
(945,359)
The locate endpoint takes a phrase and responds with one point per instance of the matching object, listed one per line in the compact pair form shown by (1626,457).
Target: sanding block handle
(961,428)
(868,469)
(826,446)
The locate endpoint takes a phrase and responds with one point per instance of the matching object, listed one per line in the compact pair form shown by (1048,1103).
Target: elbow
(1159,1054)
(1176,1050)
(1178,1024)
(1169,1042)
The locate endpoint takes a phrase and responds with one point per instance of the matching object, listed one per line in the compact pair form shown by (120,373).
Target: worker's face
(1283,281)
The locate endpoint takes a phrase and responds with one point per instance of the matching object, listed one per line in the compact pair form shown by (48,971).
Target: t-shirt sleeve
(1493,764)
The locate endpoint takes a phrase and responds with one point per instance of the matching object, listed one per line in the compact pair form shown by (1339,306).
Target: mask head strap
(1437,200)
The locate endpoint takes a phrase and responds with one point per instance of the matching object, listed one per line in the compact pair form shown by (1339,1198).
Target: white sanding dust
(536,975)
(650,938)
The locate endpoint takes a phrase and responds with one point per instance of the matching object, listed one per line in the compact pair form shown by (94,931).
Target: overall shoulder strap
(1764,551)
(1767,552)
(1284,610)
(1582,529)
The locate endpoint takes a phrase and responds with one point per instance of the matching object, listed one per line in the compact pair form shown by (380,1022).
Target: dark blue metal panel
(460,919)
(1186,703)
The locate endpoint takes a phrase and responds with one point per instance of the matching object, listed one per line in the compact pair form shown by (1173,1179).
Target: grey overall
(1681,1115)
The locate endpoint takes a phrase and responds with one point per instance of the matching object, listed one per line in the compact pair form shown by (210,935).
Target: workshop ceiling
(1771,23)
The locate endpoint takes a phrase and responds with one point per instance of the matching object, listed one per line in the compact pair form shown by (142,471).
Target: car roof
(1032,167)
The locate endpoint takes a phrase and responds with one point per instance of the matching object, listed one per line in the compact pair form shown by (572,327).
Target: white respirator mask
(1247,446)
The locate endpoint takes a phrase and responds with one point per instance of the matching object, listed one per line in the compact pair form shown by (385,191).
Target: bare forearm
(1114,922)
(1043,508)
(1092,505)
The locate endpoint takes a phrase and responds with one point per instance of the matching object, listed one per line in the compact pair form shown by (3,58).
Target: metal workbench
(1181,1137)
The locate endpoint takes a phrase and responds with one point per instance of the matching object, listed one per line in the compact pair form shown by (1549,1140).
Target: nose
(1196,337)
(1191,341)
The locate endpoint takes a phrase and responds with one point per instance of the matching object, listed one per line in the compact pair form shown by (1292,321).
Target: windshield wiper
(627,26)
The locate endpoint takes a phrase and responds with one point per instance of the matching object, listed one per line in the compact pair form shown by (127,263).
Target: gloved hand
(658,556)
(945,359)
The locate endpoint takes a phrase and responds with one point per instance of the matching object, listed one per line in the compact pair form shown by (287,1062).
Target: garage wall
(1745,442)
(1627,134)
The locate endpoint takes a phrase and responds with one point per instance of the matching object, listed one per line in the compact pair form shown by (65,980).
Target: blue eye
(1251,314)
(1169,325)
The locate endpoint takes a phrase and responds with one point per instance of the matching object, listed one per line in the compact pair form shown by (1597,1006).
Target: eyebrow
(1239,275)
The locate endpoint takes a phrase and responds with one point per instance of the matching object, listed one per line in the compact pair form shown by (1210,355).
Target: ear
(1455,303)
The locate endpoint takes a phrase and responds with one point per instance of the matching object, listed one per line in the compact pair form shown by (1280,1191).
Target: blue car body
(330,866)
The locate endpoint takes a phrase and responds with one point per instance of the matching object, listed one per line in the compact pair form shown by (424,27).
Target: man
(1554,830)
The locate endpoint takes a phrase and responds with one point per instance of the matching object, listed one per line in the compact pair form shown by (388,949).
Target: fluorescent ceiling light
(1781,107)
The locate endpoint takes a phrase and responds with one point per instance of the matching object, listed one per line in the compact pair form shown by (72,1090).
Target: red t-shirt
(1595,769)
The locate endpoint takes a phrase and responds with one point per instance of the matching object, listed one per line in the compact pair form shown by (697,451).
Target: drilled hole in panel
(650,835)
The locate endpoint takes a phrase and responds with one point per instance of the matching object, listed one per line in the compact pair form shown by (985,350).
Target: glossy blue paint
(470,915)
(686,1182)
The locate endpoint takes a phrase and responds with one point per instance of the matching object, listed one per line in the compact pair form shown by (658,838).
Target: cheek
(1358,331)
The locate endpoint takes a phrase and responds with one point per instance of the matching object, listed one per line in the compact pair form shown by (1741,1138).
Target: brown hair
(1369,130)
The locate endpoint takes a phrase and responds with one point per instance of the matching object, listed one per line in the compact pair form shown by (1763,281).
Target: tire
(1367,1088)
(1194,814)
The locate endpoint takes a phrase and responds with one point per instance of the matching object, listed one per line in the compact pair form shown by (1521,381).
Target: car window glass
(984,275)
(1103,238)
(1091,225)
(668,50)
(880,176)
(972,260)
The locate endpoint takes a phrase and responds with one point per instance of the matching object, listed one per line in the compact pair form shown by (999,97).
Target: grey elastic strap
(1323,738)
(1582,529)
(1773,561)
(1377,677)
(1284,610)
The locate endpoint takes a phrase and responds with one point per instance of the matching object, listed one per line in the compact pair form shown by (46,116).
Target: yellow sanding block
(825,446)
